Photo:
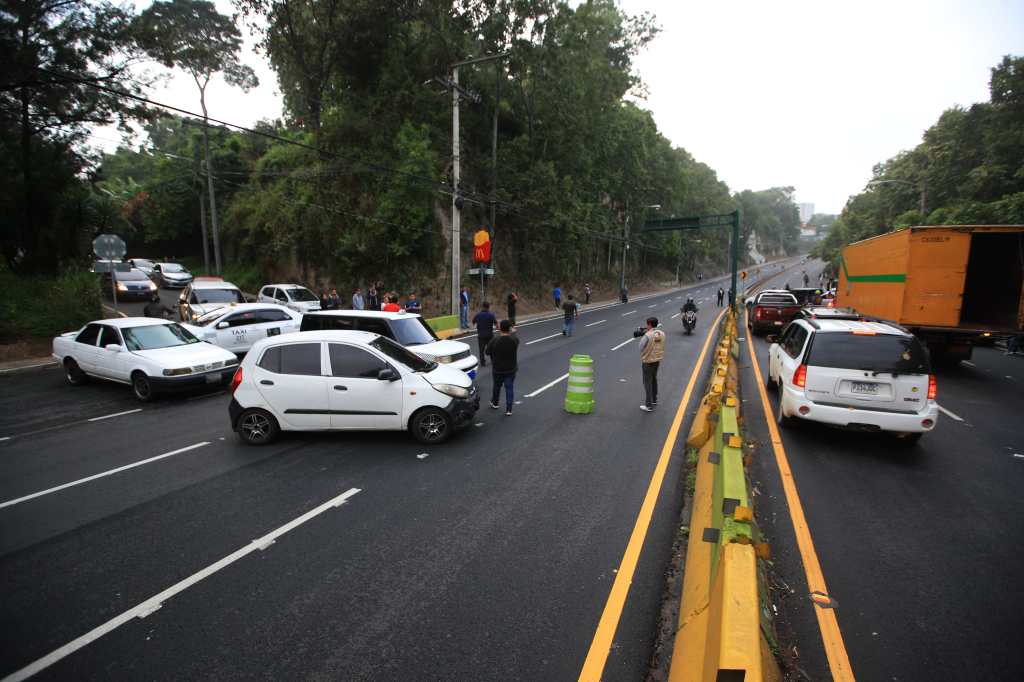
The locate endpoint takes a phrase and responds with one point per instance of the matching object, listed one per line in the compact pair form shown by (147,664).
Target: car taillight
(236,379)
(800,376)
(757,313)
(933,387)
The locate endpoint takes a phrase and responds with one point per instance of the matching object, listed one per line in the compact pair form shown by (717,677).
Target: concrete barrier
(725,631)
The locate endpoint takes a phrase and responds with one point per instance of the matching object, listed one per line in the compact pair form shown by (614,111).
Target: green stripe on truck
(870,278)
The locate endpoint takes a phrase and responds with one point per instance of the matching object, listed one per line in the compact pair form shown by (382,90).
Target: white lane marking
(544,338)
(969,363)
(629,313)
(156,601)
(653,306)
(51,363)
(674,316)
(623,344)
(946,412)
(1018,455)
(593,323)
(423,455)
(116,414)
(478,424)
(111,472)
(5,438)
(547,386)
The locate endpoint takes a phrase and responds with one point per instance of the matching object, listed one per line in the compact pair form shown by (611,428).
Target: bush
(47,306)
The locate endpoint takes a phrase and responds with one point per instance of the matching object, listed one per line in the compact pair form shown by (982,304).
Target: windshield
(154,336)
(412,331)
(219,296)
(778,298)
(401,355)
(142,263)
(878,353)
(301,294)
(172,267)
(130,276)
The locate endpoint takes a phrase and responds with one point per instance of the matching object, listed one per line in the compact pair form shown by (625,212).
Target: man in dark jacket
(504,352)
(484,321)
(155,307)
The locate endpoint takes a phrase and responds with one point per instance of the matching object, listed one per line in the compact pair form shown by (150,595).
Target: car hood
(196,330)
(203,308)
(177,275)
(194,354)
(443,374)
(439,349)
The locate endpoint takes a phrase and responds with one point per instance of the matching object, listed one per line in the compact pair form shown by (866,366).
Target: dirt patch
(26,349)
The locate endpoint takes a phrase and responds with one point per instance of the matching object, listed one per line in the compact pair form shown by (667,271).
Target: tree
(55,53)
(194,37)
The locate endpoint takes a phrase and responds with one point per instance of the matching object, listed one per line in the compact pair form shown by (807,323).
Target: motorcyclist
(689,305)
(156,308)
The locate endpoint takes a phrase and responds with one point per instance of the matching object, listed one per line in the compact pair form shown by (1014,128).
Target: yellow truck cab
(951,285)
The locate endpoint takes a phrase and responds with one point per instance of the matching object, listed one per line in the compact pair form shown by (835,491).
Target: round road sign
(109,247)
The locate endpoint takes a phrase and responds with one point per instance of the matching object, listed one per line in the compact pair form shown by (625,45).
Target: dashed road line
(969,363)
(111,472)
(623,344)
(543,338)
(116,414)
(629,313)
(547,386)
(653,306)
(593,323)
(949,414)
(156,601)
(674,316)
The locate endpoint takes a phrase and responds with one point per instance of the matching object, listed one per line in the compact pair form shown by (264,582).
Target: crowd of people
(376,298)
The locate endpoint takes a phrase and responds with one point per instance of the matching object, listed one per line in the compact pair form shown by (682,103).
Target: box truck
(952,286)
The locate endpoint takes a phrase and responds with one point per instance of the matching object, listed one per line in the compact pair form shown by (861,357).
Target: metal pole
(922,207)
(213,197)
(735,254)
(456,214)
(113,284)
(625,246)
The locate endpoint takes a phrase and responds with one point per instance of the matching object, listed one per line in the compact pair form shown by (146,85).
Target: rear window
(218,295)
(878,353)
(780,298)
(315,323)
(130,276)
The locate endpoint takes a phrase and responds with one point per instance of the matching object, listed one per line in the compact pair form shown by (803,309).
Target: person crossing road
(652,350)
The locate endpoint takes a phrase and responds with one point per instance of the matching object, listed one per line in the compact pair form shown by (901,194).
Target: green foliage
(969,169)
(47,306)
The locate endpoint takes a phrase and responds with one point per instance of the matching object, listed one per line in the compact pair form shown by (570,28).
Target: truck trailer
(952,286)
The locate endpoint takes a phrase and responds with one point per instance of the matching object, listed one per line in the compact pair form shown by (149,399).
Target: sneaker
(508,413)
(646,409)
(494,406)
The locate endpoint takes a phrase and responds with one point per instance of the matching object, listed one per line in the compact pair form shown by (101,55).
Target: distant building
(806,213)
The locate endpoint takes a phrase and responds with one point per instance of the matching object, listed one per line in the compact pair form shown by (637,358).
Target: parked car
(298,298)
(346,380)
(206,294)
(237,327)
(815,312)
(408,329)
(861,374)
(772,310)
(146,265)
(171,275)
(130,285)
(153,356)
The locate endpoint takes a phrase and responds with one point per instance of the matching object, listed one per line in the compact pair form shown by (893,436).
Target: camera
(639,331)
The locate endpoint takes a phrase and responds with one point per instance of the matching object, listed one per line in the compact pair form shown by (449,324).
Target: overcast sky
(808,93)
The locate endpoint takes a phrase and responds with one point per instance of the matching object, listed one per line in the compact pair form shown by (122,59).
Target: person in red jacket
(392,305)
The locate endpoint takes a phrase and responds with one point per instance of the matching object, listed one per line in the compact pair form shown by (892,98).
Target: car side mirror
(222,325)
(772,338)
(114,347)
(387,374)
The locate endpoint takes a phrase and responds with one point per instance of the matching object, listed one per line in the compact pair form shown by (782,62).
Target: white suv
(863,374)
(338,381)
(299,299)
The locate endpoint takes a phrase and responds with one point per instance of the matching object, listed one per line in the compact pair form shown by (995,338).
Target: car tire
(74,374)
(142,387)
(257,427)
(431,426)
(769,383)
(908,440)
(783,421)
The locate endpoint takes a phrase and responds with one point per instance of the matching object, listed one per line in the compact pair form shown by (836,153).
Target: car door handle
(267,382)
(341,388)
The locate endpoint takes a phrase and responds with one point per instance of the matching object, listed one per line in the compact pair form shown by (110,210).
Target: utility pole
(202,213)
(456,199)
(625,248)
(924,215)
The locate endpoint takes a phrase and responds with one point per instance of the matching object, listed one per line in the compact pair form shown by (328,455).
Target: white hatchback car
(237,327)
(862,374)
(338,381)
(298,298)
(206,294)
(151,355)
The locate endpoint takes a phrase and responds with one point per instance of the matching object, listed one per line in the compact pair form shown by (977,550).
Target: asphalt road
(920,547)
(490,557)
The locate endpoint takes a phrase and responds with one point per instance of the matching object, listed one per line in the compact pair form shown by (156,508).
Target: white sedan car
(300,299)
(237,327)
(151,355)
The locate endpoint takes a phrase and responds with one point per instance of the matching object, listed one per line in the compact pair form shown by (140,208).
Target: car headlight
(177,372)
(152,285)
(452,390)
(121,286)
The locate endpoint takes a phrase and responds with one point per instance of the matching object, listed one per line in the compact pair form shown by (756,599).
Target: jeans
(508,379)
(570,323)
(650,383)
(463,316)
(482,341)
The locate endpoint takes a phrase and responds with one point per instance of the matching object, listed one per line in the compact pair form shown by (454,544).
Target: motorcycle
(689,321)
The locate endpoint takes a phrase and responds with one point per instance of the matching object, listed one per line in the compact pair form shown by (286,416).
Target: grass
(46,306)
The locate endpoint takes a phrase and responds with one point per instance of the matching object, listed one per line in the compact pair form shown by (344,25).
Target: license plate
(864,387)
(273,331)
(213,378)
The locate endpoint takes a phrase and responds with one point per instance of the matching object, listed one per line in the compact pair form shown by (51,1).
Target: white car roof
(824,325)
(169,262)
(212,284)
(361,338)
(379,314)
(129,322)
(285,286)
(242,307)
